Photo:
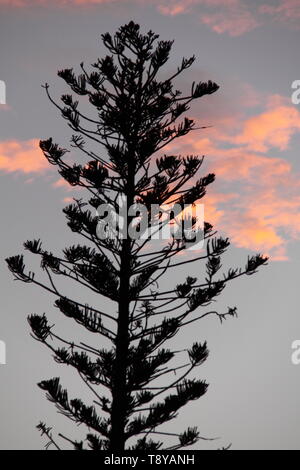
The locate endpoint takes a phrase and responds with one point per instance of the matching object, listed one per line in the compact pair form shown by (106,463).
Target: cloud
(266,217)
(18,3)
(174,8)
(22,157)
(270,129)
(257,198)
(234,20)
(64,185)
(5,107)
(231,17)
(68,200)
(29,3)
(253,232)
(285,10)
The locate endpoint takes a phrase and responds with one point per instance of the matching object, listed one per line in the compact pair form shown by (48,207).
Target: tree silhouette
(133,118)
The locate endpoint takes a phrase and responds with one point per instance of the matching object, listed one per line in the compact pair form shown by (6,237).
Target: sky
(250,48)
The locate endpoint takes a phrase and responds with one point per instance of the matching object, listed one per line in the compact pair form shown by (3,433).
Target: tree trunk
(119,390)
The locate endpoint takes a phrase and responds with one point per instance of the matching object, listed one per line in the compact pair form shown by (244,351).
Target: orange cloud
(273,128)
(266,218)
(257,198)
(250,232)
(22,156)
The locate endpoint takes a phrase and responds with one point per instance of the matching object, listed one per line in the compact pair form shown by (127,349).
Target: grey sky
(253,399)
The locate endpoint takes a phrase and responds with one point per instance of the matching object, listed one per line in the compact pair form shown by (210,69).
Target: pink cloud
(172,10)
(22,157)
(285,10)
(29,3)
(68,200)
(5,107)
(63,184)
(251,98)
(232,17)
(235,22)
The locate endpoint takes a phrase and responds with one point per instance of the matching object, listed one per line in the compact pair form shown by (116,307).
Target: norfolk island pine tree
(135,116)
